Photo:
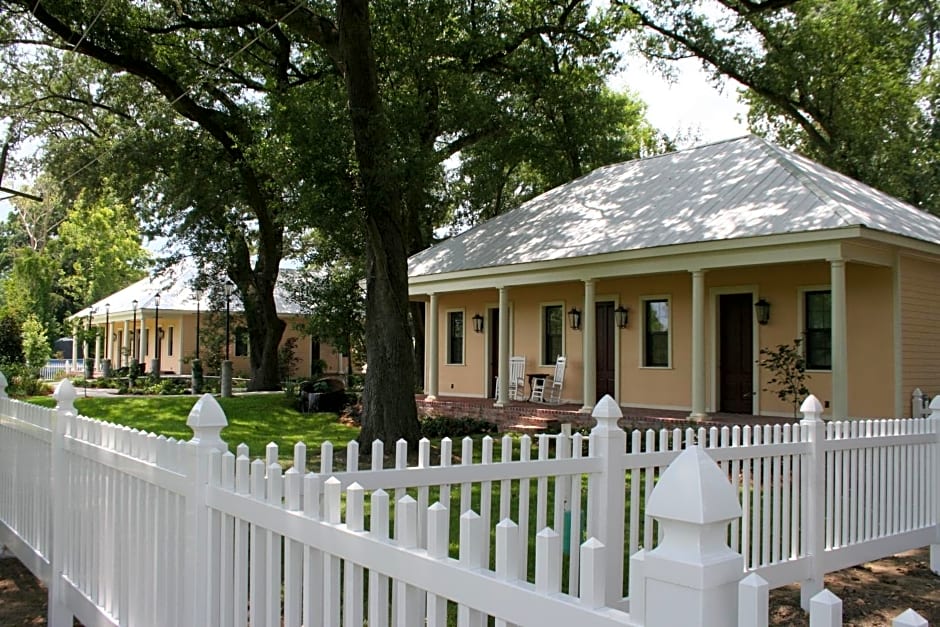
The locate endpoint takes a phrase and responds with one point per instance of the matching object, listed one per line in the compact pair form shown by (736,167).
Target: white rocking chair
(554,390)
(516,378)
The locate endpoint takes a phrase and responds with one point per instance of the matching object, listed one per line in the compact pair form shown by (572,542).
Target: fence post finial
(693,567)
(207,420)
(3,386)
(811,408)
(65,396)
(909,618)
(606,413)
(935,407)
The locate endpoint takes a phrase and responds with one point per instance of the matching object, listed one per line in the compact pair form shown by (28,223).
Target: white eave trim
(786,248)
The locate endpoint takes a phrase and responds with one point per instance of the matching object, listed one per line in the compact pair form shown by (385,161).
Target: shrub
(433,427)
(787,367)
(11,339)
(21,381)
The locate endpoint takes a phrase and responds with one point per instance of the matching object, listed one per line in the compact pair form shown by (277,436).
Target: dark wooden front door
(494,349)
(606,368)
(735,354)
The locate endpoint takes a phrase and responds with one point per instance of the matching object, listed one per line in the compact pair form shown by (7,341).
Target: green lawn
(255,419)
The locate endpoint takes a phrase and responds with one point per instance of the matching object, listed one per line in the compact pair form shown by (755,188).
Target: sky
(692,103)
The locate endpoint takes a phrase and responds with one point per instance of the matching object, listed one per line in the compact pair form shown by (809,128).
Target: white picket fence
(57,368)
(130,528)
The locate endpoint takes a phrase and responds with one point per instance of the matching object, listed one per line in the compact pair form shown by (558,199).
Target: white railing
(132,528)
(58,368)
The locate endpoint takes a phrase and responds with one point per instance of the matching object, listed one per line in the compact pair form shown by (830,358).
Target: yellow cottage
(659,281)
(126,321)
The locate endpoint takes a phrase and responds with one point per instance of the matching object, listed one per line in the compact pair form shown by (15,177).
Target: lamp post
(156,333)
(198,299)
(106,362)
(89,364)
(226,379)
(134,333)
(229,288)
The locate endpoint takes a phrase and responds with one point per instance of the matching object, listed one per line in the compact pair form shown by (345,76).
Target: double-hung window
(455,336)
(817,317)
(553,326)
(241,342)
(656,333)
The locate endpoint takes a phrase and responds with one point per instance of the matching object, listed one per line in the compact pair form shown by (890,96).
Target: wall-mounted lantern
(477,323)
(574,318)
(762,311)
(622,317)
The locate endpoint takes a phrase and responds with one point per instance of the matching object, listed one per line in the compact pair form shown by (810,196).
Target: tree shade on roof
(735,189)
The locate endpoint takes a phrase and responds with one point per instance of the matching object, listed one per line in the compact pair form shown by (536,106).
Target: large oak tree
(241,127)
(851,83)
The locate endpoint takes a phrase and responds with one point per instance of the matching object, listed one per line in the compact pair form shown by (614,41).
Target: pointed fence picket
(137,529)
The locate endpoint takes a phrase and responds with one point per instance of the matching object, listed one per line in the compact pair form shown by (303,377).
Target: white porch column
(179,343)
(74,351)
(840,358)
(124,353)
(98,344)
(698,345)
(433,352)
(589,347)
(142,345)
(502,393)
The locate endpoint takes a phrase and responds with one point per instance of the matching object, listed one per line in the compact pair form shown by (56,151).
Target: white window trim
(463,340)
(801,317)
(564,324)
(642,343)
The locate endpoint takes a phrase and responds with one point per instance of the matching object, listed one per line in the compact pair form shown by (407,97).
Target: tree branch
(22,194)
(791,108)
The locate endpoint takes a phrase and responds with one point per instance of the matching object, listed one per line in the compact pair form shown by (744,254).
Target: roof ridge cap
(782,158)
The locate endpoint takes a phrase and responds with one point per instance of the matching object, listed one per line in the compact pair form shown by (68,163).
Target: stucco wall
(869,327)
(184,346)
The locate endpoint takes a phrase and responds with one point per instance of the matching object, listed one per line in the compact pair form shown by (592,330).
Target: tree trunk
(264,339)
(389,409)
(418,314)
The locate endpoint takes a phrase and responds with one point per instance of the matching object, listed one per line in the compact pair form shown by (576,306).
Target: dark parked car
(323,395)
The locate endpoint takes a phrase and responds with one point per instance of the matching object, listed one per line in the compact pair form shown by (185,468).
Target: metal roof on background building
(739,188)
(176,294)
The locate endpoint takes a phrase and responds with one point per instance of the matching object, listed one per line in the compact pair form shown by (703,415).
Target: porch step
(536,424)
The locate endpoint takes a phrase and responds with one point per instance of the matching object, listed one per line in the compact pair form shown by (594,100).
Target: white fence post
(813,482)
(909,618)
(606,495)
(934,423)
(692,577)
(206,419)
(59,614)
(825,610)
(753,601)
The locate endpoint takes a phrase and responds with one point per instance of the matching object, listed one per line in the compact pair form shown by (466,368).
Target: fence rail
(132,528)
